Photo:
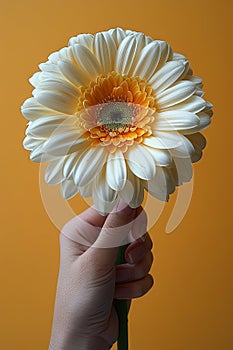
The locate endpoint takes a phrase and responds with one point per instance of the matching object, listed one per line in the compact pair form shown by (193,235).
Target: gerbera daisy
(114,114)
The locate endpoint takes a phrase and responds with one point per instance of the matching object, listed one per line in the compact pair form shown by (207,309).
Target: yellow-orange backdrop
(190,306)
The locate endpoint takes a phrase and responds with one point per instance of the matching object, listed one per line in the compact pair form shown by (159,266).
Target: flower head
(114,114)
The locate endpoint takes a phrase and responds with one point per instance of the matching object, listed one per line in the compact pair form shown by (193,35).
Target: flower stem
(122,309)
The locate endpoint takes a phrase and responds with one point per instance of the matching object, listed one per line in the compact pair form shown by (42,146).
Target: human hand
(89,280)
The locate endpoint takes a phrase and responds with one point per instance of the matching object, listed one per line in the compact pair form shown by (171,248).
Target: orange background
(190,306)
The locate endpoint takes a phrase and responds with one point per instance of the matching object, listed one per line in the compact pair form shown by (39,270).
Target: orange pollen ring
(116,111)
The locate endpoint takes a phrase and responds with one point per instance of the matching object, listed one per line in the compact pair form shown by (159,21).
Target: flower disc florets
(116,116)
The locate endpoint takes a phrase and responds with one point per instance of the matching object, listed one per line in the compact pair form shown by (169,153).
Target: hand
(84,316)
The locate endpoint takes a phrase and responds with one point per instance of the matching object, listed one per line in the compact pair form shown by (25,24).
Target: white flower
(116,113)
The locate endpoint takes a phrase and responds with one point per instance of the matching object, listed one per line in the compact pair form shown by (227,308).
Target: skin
(89,280)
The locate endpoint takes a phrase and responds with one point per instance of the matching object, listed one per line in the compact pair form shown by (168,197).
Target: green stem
(122,309)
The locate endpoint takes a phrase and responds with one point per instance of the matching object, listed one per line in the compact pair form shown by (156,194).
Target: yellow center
(116,111)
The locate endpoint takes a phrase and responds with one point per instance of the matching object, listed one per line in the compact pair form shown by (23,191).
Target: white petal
(66,53)
(30,142)
(37,154)
(35,79)
(205,120)
(48,67)
(208,109)
(128,52)
(44,127)
(87,190)
(104,48)
(194,79)
(32,110)
(133,192)
(147,61)
(184,169)
(86,61)
(199,143)
(70,164)
(53,173)
(185,150)
(103,208)
(103,191)
(161,157)
(72,73)
(163,140)
(177,93)
(83,39)
(130,32)
(57,100)
(141,41)
(186,71)
(166,53)
(159,187)
(189,73)
(55,76)
(172,173)
(178,57)
(125,55)
(176,120)
(54,57)
(209,105)
(118,35)
(140,162)
(166,76)
(72,41)
(199,92)
(116,171)
(196,156)
(68,189)
(171,179)
(148,40)
(89,165)
(61,85)
(65,143)
(193,104)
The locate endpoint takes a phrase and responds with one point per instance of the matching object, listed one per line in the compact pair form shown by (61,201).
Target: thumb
(115,232)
